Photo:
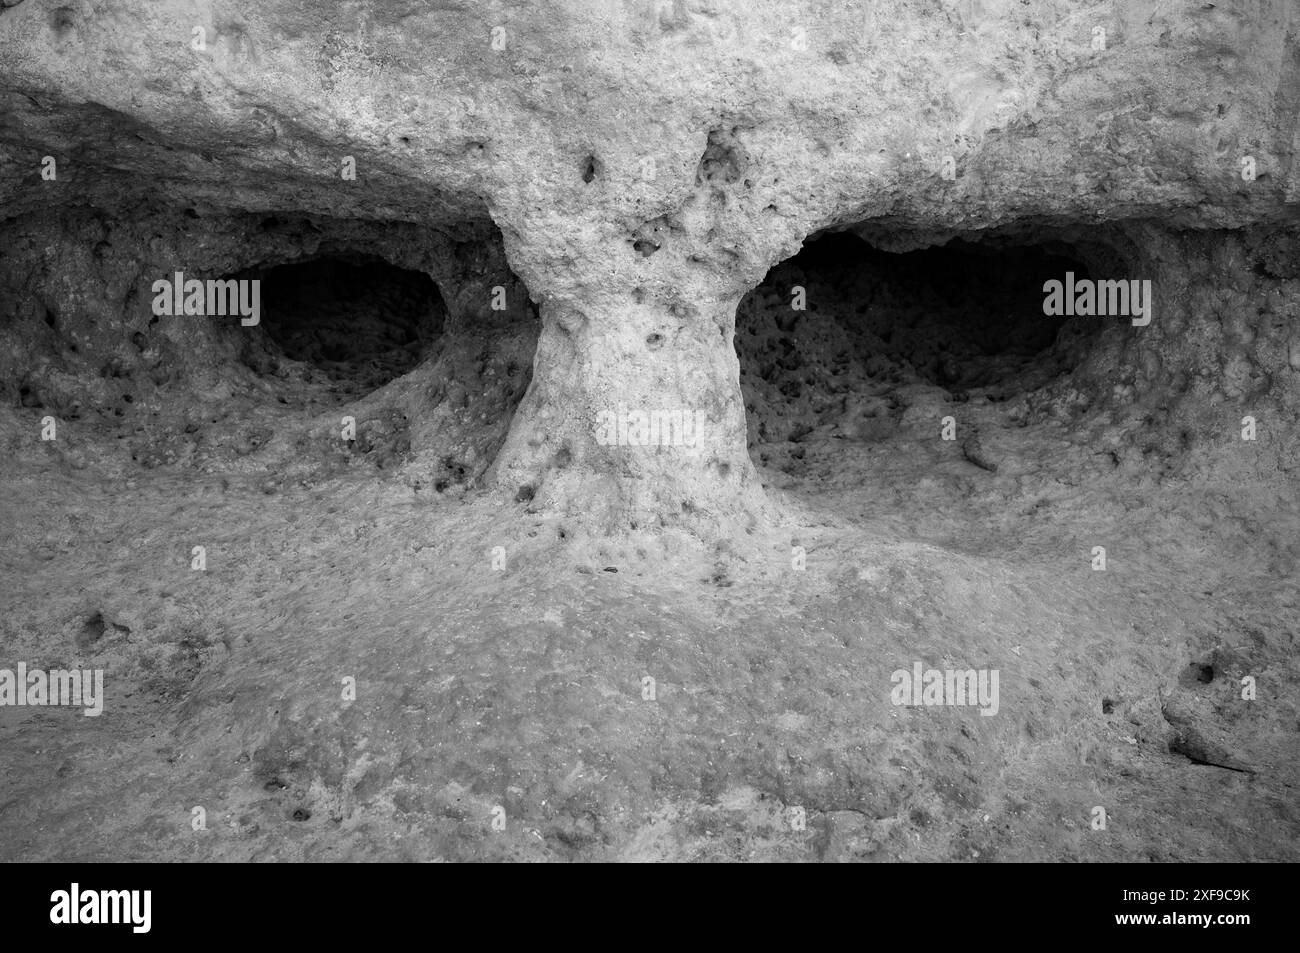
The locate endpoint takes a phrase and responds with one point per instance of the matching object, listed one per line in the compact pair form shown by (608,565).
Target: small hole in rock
(92,631)
(63,19)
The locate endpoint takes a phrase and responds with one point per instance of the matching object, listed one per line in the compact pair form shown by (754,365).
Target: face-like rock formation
(639,166)
(906,314)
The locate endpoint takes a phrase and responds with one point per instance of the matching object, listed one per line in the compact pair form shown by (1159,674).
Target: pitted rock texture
(563,211)
(647,162)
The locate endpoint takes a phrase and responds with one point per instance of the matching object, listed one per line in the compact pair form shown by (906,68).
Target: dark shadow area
(357,322)
(963,315)
(852,390)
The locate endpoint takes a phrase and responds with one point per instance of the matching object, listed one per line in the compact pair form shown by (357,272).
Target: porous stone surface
(612,206)
(647,162)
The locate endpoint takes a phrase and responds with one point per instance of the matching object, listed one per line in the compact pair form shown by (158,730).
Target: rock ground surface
(609,200)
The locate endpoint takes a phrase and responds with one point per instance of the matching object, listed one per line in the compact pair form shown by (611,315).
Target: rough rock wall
(883,336)
(647,162)
(81,343)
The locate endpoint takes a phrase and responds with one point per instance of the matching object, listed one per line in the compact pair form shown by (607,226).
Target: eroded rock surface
(811,237)
(647,163)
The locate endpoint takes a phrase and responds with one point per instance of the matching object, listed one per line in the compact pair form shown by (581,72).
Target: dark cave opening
(844,328)
(354,322)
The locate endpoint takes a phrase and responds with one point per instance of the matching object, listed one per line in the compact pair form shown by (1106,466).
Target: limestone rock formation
(643,164)
(796,237)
